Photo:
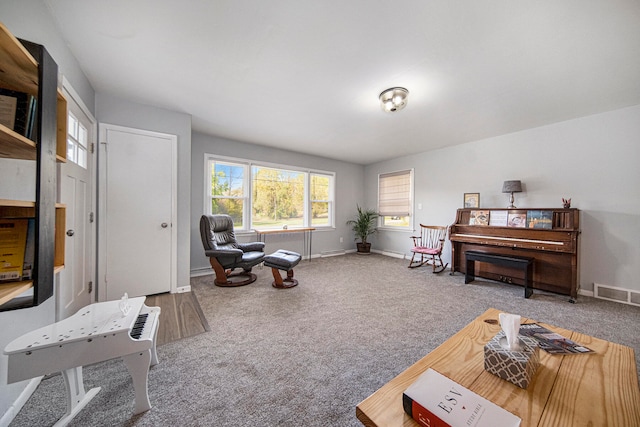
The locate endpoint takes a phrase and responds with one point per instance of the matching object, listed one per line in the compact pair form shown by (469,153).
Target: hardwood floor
(181,316)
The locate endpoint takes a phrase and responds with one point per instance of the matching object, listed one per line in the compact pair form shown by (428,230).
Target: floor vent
(613,293)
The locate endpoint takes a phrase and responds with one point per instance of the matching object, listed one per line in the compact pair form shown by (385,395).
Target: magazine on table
(552,342)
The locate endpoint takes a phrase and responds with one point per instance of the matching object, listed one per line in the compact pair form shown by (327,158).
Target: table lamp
(514,186)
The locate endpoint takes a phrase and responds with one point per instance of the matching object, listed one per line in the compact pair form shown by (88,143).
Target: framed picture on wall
(471,200)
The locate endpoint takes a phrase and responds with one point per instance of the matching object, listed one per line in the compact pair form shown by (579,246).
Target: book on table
(434,400)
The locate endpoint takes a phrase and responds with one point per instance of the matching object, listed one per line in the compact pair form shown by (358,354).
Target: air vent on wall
(617,294)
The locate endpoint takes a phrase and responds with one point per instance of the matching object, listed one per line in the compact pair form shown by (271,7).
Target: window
(77,139)
(277,198)
(265,196)
(227,191)
(321,200)
(395,204)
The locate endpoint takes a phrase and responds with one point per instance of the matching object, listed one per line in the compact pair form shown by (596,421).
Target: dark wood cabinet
(28,68)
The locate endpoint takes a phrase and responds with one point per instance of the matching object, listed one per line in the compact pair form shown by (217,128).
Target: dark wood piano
(551,238)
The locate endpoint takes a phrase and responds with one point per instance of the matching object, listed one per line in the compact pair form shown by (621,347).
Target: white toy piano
(126,328)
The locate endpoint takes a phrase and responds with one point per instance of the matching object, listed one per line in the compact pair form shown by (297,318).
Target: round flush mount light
(394,99)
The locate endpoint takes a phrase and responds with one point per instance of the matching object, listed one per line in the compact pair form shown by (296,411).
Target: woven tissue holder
(517,367)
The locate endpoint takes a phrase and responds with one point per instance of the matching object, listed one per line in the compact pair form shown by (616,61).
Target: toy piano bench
(283,260)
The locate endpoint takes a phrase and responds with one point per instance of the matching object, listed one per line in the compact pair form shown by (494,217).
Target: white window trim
(249,189)
(246,217)
(410,227)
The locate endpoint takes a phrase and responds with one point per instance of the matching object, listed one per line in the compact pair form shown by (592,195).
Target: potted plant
(363,226)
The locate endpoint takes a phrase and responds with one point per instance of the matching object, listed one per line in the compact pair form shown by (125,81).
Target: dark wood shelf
(28,68)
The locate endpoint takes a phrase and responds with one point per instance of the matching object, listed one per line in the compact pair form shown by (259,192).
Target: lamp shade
(514,186)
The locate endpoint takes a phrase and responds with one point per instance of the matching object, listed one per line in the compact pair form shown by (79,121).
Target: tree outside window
(227,191)
(278,197)
(266,197)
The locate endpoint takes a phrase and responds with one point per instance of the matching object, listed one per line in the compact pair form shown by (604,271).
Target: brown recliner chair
(226,254)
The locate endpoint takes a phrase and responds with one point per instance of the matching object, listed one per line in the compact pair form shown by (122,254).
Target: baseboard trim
(332,253)
(19,402)
(585,293)
(632,296)
(205,271)
(201,272)
(389,253)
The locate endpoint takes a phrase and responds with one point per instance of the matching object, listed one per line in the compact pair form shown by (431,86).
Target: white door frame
(70,92)
(102,207)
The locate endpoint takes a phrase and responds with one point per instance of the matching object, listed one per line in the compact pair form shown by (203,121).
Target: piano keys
(97,332)
(554,249)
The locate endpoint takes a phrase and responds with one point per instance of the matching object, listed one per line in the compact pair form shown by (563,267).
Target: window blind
(394,194)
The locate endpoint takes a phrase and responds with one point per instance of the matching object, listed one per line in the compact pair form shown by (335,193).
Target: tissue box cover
(517,367)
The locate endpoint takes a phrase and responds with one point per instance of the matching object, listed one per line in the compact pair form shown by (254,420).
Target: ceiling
(305,75)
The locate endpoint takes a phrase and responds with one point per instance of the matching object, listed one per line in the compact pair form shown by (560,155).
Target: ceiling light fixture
(394,99)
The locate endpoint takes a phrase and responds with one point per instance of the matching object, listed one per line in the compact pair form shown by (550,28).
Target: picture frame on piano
(471,200)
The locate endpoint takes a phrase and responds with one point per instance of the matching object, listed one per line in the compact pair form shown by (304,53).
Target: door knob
(70,233)
(164,225)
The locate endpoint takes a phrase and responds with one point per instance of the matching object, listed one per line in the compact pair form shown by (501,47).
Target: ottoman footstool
(283,260)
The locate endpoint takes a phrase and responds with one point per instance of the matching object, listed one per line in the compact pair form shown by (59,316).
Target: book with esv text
(434,400)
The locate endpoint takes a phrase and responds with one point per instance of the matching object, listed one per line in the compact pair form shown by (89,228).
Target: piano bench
(512,261)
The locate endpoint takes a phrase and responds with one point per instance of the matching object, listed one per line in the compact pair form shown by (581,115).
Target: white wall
(31,20)
(118,111)
(593,160)
(349,185)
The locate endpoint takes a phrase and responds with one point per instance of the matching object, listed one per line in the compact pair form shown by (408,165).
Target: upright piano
(550,236)
(126,328)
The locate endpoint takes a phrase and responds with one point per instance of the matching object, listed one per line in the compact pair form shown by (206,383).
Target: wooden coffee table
(599,389)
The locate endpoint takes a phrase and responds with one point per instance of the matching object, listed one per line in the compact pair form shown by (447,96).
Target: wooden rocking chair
(429,246)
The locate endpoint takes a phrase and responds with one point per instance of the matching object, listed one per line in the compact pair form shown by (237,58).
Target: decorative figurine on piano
(566,203)
(124,304)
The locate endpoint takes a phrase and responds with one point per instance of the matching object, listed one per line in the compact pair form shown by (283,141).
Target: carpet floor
(308,355)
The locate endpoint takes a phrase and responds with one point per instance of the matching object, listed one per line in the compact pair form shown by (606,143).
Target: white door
(76,183)
(137,212)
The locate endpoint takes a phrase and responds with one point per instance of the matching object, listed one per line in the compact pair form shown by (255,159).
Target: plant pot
(364,248)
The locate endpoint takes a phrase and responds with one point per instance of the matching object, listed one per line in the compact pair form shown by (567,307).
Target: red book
(423,416)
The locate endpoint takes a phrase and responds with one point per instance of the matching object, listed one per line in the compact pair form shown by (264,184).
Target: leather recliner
(226,254)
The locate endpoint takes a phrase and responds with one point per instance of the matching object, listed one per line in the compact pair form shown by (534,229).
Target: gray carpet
(308,355)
